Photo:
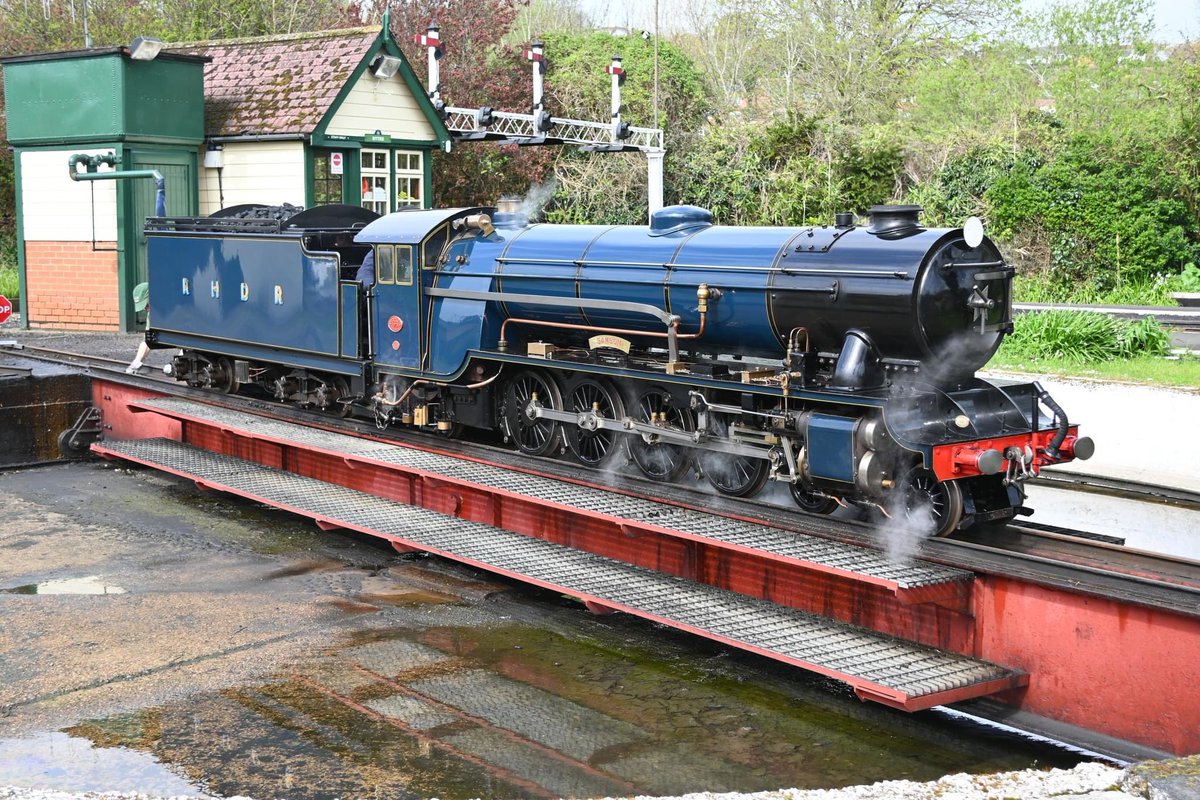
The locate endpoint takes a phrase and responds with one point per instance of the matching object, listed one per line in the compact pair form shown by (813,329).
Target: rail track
(1089,562)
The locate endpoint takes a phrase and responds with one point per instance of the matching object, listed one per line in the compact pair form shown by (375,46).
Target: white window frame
(376,181)
(410,176)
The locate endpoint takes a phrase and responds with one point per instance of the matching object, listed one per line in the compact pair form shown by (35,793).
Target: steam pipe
(704,295)
(1060,415)
(671,335)
(384,401)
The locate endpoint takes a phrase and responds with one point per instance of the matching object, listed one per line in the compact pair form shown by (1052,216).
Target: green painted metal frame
(22,285)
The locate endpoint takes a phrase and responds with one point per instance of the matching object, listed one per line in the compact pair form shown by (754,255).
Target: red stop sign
(5,308)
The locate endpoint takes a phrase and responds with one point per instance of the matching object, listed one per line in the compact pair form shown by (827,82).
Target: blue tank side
(629,264)
(252,290)
(543,261)
(737,262)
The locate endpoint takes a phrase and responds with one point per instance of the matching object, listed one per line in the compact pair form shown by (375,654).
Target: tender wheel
(532,435)
(329,395)
(811,501)
(224,379)
(931,506)
(341,388)
(591,445)
(658,460)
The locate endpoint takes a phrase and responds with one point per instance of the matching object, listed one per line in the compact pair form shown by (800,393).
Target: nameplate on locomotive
(608,340)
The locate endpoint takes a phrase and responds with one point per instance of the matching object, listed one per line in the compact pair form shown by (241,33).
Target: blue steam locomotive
(839,360)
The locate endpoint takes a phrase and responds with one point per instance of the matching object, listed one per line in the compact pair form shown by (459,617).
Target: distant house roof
(274,85)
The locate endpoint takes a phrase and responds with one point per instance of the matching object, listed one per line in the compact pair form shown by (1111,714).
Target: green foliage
(1182,371)
(599,189)
(748,175)
(1082,337)
(956,191)
(1097,213)
(1143,337)
(577,86)
(1042,288)
(720,171)
(9,283)
(868,173)
(980,97)
(1186,281)
(1104,75)
(795,135)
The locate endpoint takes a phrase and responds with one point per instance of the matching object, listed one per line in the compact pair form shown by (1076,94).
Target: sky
(1175,20)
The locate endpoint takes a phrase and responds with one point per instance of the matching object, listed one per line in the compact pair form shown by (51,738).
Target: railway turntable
(910,636)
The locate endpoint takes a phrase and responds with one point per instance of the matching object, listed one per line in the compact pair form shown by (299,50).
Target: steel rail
(1120,487)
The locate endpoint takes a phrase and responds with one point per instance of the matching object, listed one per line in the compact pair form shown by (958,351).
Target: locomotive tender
(839,359)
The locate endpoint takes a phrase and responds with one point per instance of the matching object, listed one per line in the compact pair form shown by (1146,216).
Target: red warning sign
(5,308)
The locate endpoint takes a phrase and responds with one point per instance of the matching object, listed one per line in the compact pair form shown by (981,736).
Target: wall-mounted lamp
(214,157)
(144,48)
(385,66)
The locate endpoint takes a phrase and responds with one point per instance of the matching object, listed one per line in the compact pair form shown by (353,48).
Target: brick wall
(70,286)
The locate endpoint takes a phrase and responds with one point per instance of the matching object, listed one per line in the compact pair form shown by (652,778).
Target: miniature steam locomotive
(839,360)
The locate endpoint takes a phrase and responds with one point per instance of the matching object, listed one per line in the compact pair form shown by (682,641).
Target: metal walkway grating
(859,562)
(882,668)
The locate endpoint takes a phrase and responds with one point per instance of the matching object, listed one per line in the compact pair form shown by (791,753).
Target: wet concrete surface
(194,640)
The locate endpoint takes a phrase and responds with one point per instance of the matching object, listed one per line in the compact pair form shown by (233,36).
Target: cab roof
(410,227)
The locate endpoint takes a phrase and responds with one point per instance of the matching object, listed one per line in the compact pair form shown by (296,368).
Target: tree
(726,48)
(604,187)
(852,57)
(1098,64)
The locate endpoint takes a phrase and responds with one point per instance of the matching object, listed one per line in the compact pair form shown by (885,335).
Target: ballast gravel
(1091,781)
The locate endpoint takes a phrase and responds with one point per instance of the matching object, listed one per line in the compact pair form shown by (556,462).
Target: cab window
(404,265)
(385,264)
(433,247)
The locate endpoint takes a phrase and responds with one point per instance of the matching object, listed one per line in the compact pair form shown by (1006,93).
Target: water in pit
(529,696)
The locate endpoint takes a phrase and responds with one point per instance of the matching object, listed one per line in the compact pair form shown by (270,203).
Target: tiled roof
(276,84)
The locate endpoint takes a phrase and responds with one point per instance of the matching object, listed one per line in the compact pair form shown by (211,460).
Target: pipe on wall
(92,173)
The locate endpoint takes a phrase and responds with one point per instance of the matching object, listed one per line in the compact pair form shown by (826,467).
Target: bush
(1186,281)
(9,283)
(1082,337)
(1097,213)
(1043,288)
